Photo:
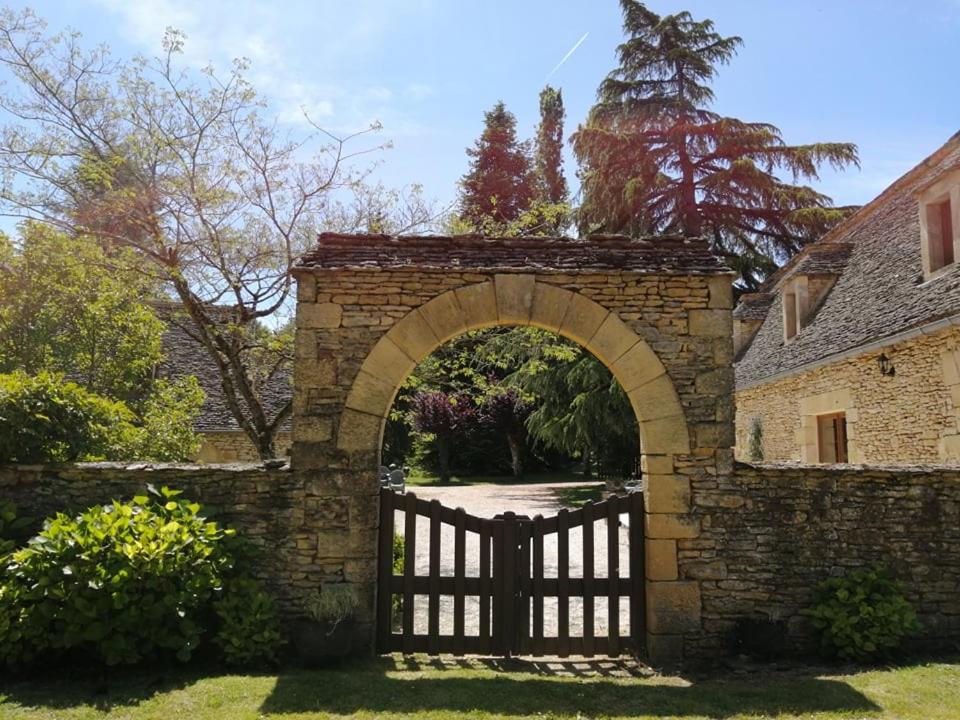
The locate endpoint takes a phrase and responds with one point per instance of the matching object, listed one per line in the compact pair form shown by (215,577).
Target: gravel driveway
(527,499)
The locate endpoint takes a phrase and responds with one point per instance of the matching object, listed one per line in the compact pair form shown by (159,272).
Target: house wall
(227,447)
(906,419)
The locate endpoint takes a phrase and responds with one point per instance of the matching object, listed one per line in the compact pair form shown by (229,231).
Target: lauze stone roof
(879,292)
(597,252)
(184,355)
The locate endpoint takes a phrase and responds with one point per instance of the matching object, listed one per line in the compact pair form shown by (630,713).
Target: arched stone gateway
(657,313)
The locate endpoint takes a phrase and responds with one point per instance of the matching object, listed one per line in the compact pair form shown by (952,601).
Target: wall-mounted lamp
(886,366)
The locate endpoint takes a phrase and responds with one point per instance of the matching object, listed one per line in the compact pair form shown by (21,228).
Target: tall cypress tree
(498,187)
(654,159)
(551,183)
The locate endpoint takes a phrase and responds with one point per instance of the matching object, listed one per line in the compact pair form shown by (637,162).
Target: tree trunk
(587,471)
(443,459)
(516,455)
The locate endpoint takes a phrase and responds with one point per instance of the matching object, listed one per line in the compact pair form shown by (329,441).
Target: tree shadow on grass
(397,686)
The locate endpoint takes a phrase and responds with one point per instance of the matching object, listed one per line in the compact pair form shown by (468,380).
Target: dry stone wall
(309,528)
(769,534)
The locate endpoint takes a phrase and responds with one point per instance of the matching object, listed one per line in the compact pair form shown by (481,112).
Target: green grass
(574,497)
(421,477)
(439,690)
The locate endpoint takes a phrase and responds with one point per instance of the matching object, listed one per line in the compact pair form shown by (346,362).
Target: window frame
(938,253)
(840,439)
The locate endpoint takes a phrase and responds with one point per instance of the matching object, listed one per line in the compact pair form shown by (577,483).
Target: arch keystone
(514,297)
(444,316)
(550,304)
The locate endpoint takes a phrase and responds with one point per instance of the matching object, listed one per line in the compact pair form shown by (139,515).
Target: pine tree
(498,187)
(551,184)
(654,159)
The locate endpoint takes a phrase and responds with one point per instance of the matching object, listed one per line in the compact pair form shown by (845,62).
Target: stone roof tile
(880,291)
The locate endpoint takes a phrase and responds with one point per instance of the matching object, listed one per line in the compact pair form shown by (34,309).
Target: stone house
(222,439)
(851,352)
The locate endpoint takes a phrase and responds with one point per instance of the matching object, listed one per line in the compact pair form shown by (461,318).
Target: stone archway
(658,315)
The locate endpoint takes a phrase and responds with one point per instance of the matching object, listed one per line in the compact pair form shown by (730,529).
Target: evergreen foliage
(655,160)
(499,186)
(548,159)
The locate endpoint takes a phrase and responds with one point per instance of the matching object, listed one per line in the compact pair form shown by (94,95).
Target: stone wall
(909,418)
(769,534)
(665,336)
(309,527)
(235,446)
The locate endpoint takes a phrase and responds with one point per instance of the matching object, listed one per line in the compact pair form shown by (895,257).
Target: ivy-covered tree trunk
(516,454)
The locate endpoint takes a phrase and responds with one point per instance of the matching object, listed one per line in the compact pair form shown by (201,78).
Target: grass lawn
(423,688)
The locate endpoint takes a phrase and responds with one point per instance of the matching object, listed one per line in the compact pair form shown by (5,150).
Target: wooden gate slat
(433,608)
(459,573)
(613,574)
(588,605)
(637,572)
(538,585)
(385,572)
(485,539)
(563,589)
(409,568)
(509,549)
(499,588)
(523,596)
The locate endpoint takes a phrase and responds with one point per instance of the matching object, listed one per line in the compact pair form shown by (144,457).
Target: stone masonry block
(664,651)
(319,315)
(711,323)
(550,304)
(372,394)
(637,366)
(583,319)
(671,526)
(309,428)
(667,493)
(655,399)
(666,435)
(444,316)
(721,292)
(514,297)
(414,336)
(306,288)
(673,608)
(479,305)
(656,464)
(612,339)
(358,431)
(661,559)
(388,362)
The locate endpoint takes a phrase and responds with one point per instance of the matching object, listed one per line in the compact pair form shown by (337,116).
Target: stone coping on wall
(845,469)
(665,255)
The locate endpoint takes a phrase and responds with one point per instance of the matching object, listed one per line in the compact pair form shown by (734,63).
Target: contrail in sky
(566,57)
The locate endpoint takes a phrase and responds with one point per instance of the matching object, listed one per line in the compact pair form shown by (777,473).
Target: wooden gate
(510,584)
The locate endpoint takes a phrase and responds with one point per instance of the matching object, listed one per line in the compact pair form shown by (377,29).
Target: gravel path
(527,499)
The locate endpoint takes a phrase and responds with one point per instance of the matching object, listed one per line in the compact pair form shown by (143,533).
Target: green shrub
(12,527)
(862,616)
(249,629)
(44,418)
(167,418)
(399,553)
(333,604)
(125,582)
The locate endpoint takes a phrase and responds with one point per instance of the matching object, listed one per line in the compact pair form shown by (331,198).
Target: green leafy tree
(186,169)
(655,159)
(64,308)
(167,419)
(499,185)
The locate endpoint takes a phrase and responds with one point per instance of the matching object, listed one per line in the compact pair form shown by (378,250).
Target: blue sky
(881,74)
